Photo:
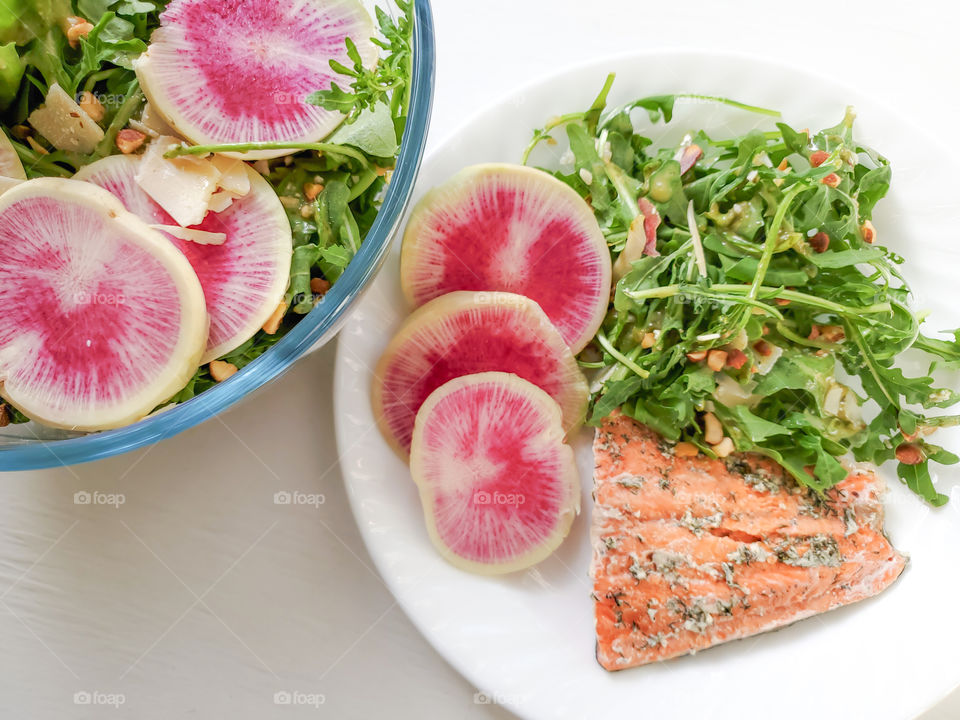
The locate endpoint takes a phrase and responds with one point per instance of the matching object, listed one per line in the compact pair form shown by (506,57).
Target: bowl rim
(320,325)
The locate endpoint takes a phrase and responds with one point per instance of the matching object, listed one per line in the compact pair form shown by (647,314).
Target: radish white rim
(554,250)
(544,441)
(123,236)
(194,75)
(534,648)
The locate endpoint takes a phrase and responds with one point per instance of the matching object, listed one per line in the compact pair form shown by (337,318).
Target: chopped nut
(868,231)
(909,454)
(763,348)
(818,157)
(319,286)
(833,180)
(832,333)
(221,370)
(311,190)
(724,447)
(819,242)
(77,28)
(306,211)
(736,359)
(696,356)
(814,332)
(766,330)
(92,106)
(4,416)
(782,302)
(382,171)
(783,165)
(712,429)
(262,167)
(273,322)
(648,340)
(716,359)
(685,449)
(129,141)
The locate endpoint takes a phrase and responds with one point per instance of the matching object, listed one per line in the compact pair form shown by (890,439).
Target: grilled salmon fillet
(692,552)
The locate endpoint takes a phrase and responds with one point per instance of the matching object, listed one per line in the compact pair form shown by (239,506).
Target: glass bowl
(29,446)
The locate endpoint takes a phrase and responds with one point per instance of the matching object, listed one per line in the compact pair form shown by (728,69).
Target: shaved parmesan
(221,200)
(65,124)
(200,237)
(233,174)
(182,186)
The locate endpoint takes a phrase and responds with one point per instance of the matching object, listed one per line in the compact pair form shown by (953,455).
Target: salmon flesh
(689,552)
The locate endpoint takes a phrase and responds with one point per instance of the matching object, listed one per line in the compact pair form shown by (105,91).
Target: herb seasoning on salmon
(694,551)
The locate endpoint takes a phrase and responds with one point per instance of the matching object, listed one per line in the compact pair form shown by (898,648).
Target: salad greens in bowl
(192,196)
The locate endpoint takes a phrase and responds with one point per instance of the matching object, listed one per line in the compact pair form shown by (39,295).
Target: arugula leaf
(387,82)
(373,132)
(772,283)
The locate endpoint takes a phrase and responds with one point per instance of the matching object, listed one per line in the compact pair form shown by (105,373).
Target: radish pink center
(241,70)
(81,322)
(489,338)
(494,472)
(235,276)
(512,240)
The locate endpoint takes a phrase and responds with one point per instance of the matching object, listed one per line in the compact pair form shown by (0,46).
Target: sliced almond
(712,429)
(273,322)
(716,359)
(723,448)
(220,370)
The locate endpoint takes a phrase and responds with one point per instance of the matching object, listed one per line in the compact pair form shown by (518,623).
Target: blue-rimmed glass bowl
(25,447)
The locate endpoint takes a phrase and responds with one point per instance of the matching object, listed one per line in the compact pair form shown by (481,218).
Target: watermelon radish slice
(10,165)
(102,318)
(244,277)
(462,333)
(498,484)
(516,229)
(239,71)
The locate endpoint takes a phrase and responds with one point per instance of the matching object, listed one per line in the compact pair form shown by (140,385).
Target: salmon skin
(692,552)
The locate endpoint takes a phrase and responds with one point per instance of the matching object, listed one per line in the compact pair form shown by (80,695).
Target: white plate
(528,639)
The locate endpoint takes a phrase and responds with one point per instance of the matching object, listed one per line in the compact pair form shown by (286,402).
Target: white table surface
(198,596)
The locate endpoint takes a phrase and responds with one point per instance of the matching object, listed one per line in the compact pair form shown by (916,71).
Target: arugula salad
(87,56)
(755,308)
